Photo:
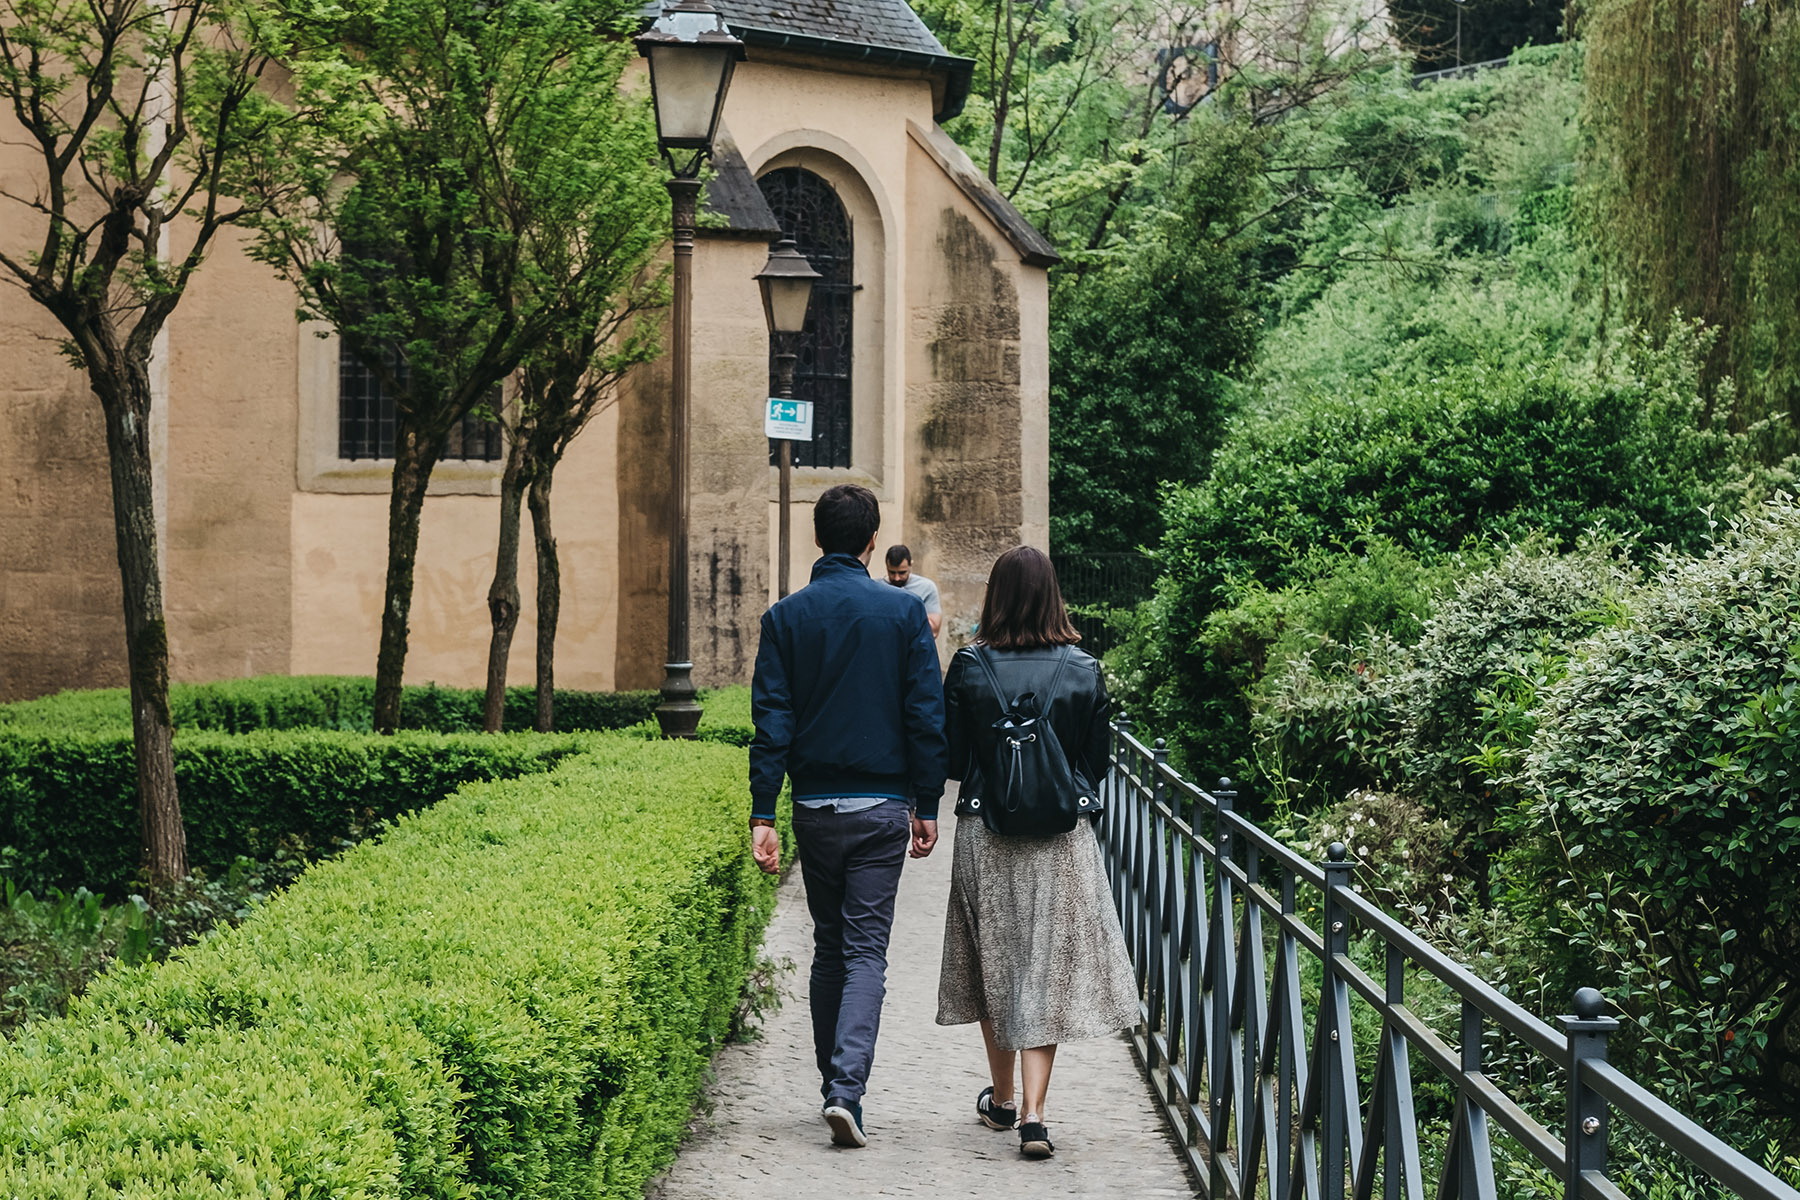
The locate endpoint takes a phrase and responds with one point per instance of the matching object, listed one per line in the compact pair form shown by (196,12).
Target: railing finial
(1585,1131)
(1337,852)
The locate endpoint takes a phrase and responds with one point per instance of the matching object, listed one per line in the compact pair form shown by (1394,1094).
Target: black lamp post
(787,282)
(692,55)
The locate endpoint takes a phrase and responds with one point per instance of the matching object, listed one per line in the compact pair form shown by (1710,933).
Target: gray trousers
(851,864)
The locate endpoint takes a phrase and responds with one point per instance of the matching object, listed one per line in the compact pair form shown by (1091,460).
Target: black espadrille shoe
(995,1116)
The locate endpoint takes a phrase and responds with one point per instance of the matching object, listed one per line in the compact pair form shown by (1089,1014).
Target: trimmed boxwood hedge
(511,994)
(69,808)
(319,702)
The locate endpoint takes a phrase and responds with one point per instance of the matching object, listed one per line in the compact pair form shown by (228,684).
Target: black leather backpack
(1030,788)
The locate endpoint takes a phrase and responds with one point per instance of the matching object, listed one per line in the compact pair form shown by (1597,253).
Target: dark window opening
(366,417)
(809,211)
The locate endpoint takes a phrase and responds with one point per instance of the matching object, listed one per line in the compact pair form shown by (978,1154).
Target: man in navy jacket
(849,705)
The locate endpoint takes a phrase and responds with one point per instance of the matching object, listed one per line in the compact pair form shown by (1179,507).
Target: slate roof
(891,24)
(733,198)
(877,32)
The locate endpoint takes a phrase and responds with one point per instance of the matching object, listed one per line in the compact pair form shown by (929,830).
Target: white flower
(1362,852)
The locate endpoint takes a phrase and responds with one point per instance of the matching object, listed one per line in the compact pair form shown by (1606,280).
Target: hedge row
(69,807)
(320,702)
(511,994)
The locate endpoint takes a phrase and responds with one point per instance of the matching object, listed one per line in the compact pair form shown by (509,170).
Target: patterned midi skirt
(1032,941)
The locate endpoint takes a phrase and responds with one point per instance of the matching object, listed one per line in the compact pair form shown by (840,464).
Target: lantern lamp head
(692,55)
(786,281)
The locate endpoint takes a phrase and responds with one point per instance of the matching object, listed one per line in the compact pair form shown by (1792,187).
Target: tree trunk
(549,595)
(503,594)
(415,454)
(124,394)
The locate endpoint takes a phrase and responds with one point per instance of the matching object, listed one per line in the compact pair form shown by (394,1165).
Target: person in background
(847,704)
(900,574)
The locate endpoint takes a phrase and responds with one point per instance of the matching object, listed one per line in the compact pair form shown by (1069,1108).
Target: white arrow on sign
(789,420)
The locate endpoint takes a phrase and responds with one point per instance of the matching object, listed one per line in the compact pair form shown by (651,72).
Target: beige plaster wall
(276,555)
(61,618)
(728,538)
(338,548)
(228,477)
(976,317)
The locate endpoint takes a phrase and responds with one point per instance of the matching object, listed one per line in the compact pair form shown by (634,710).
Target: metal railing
(1262,1106)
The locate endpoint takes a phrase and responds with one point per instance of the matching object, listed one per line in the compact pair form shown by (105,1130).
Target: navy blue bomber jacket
(847,698)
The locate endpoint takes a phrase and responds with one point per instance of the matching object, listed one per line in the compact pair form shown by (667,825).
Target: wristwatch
(755,821)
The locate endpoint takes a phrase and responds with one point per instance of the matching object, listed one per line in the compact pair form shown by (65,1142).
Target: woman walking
(1032,947)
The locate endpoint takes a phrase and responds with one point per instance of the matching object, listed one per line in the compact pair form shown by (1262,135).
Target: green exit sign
(790,420)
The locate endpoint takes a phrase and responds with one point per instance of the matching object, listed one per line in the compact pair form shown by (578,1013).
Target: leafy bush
(1666,761)
(319,702)
(51,947)
(512,994)
(69,809)
(725,718)
(1478,454)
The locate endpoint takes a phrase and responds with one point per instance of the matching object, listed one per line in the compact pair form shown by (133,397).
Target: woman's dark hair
(845,518)
(1024,606)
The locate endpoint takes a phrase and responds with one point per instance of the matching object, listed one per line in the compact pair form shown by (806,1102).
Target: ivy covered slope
(512,994)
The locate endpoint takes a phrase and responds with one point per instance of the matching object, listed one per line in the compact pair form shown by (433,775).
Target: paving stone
(759,1135)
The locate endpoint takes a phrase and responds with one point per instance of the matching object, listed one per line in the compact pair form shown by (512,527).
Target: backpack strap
(987,668)
(1061,664)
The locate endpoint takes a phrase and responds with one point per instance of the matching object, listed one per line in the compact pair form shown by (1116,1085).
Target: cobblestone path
(760,1136)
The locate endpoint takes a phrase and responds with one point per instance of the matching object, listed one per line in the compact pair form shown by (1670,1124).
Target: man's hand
(924,837)
(765,848)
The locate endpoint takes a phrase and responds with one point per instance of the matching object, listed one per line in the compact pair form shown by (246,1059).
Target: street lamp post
(787,282)
(691,55)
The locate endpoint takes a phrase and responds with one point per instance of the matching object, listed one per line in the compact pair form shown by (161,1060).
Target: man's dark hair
(845,518)
(898,554)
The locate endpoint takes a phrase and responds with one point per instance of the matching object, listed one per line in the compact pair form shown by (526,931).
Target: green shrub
(1435,719)
(319,702)
(514,993)
(1478,454)
(69,809)
(724,718)
(1664,766)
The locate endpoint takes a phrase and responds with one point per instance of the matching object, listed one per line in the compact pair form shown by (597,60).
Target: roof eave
(958,73)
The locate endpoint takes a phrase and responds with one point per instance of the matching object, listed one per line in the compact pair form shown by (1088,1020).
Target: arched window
(809,211)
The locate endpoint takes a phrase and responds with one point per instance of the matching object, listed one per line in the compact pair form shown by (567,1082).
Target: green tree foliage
(463,153)
(1696,175)
(1143,349)
(594,254)
(1135,134)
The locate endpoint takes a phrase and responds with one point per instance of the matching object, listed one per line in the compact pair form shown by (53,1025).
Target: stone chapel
(925,357)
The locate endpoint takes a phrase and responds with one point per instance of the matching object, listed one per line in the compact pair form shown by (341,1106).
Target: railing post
(1335,1122)
(1151,956)
(1585,1151)
(1220,1067)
